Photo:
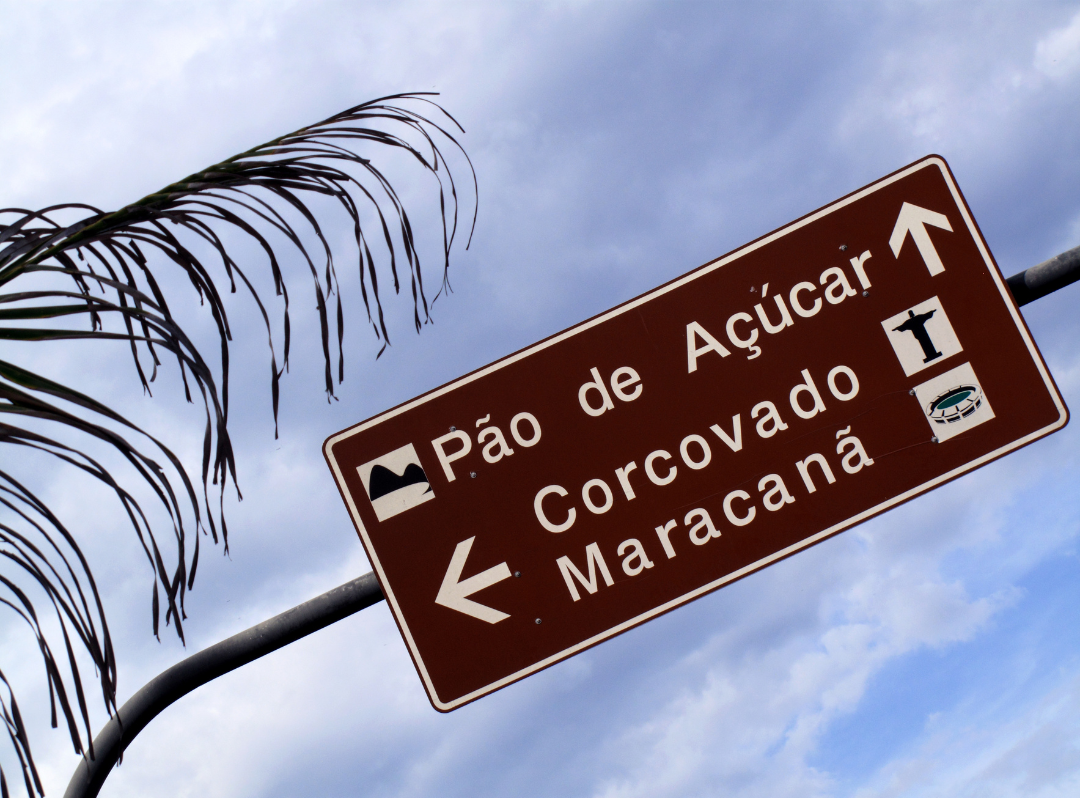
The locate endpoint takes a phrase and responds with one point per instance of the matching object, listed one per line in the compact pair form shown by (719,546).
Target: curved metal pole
(1047,277)
(217,660)
(341,602)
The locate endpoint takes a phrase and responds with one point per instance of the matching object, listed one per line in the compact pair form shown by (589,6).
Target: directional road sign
(776,396)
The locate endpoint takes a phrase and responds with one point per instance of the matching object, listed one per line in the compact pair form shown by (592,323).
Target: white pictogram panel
(954,402)
(395,482)
(922,336)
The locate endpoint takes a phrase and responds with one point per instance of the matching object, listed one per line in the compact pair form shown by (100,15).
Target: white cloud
(752,723)
(1057,55)
(991,752)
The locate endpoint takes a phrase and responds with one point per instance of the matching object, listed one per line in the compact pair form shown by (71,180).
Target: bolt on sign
(850,361)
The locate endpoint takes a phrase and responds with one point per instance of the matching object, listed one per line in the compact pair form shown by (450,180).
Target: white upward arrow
(913,219)
(454,593)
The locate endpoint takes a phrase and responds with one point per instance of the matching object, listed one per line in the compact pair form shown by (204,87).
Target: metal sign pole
(198,669)
(1046,277)
(350,598)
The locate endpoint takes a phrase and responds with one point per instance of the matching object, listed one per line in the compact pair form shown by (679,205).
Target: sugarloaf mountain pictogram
(395,482)
(383,481)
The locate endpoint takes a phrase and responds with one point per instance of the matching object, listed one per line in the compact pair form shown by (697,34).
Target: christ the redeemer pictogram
(916,325)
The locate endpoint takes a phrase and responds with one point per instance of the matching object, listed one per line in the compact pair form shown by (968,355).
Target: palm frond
(73,272)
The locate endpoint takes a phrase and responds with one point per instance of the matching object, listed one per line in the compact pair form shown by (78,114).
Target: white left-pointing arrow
(454,591)
(913,220)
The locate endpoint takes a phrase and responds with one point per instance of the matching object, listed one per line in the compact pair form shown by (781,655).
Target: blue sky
(931,651)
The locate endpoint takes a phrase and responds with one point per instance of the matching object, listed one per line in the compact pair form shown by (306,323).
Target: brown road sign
(822,374)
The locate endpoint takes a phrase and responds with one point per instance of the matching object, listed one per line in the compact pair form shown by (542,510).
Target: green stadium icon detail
(954,402)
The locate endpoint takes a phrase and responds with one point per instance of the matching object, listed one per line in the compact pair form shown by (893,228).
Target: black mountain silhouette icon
(383,481)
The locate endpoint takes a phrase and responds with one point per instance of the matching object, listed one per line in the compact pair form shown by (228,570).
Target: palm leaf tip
(73,272)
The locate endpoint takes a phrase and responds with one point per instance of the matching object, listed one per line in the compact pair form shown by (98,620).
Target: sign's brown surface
(820,375)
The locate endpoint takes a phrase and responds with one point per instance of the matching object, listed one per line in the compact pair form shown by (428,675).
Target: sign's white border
(697,273)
